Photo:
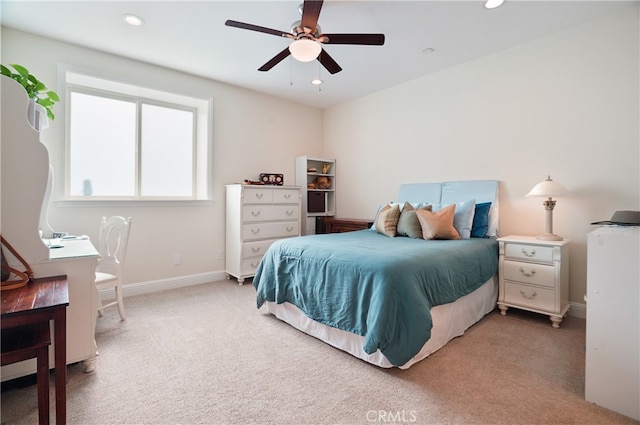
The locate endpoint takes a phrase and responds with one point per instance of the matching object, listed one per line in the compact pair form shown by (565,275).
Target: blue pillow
(480,225)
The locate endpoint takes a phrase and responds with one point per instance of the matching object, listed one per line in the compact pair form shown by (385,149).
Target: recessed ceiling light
(492,4)
(134,20)
(317,82)
(428,50)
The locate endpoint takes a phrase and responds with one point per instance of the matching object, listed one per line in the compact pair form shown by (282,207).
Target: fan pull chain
(290,71)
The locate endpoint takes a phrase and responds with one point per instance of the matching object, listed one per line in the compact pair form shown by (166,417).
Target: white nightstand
(534,276)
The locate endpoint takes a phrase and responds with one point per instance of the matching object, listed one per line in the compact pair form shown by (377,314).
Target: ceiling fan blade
(328,62)
(311,13)
(365,39)
(275,60)
(251,27)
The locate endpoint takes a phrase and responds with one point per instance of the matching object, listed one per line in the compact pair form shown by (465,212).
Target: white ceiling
(192,37)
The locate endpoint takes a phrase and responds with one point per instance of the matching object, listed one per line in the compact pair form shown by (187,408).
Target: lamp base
(549,237)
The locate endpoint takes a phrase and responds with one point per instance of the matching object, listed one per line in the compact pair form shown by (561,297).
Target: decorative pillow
(480,225)
(387,220)
(463,219)
(439,224)
(408,224)
(375,217)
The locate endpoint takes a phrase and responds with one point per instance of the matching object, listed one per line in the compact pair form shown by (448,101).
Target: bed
(386,297)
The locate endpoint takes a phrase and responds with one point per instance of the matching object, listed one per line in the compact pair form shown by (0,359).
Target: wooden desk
(43,299)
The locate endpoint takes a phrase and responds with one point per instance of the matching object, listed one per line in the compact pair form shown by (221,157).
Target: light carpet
(206,355)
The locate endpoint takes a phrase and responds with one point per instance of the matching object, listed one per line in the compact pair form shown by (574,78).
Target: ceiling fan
(308,38)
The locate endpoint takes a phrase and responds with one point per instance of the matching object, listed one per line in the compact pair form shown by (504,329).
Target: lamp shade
(305,50)
(547,189)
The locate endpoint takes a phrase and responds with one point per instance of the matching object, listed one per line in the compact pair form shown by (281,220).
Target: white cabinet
(22,206)
(256,217)
(534,276)
(612,372)
(317,200)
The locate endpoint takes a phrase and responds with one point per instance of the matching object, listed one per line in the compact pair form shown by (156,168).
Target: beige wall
(251,134)
(566,105)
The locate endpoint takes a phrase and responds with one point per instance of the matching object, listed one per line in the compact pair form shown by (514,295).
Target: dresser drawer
(270,212)
(256,249)
(257,231)
(250,265)
(537,274)
(529,252)
(286,196)
(258,195)
(529,296)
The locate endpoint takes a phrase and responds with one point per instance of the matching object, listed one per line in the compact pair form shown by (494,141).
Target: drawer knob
(255,231)
(289,212)
(259,195)
(255,213)
(255,249)
(528,296)
(529,254)
(254,265)
(529,274)
(289,228)
(287,196)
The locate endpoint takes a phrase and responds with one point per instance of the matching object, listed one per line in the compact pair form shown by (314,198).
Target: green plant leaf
(53,96)
(34,87)
(20,69)
(44,101)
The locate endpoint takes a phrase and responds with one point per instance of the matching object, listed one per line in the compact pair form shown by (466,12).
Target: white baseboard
(139,288)
(578,310)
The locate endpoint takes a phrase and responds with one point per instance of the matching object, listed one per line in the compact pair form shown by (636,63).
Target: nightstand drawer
(529,252)
(537,274)
(529,296)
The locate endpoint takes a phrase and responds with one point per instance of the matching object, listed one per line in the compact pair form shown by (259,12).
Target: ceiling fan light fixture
(305,50)
(492,4)
(133,20)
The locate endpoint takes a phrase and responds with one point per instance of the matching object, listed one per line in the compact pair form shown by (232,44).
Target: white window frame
(94,84)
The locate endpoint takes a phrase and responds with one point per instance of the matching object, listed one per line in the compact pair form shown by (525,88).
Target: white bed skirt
(449,321)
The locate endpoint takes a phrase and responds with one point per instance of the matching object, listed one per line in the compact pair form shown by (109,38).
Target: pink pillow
(439,224)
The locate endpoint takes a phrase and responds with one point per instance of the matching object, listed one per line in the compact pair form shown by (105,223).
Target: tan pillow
(387,220)
(439,224)
(408,224)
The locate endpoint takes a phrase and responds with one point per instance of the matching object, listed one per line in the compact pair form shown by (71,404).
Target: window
(126,142)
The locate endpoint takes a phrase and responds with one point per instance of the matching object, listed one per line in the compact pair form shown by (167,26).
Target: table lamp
(548,189)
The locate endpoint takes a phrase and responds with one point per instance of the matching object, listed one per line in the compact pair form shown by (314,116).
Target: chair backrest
(112,244)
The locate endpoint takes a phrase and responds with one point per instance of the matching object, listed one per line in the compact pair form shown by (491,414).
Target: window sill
(133,203)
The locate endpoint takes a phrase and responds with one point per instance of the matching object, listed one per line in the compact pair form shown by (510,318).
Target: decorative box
(272,179)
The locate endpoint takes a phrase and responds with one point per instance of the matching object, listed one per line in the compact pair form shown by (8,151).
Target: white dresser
(534,276)
(256,217)
(612,372)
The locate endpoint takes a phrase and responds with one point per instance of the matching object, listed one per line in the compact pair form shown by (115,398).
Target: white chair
(112,246)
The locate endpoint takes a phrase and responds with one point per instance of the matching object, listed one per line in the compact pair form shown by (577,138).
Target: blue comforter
(375,286)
